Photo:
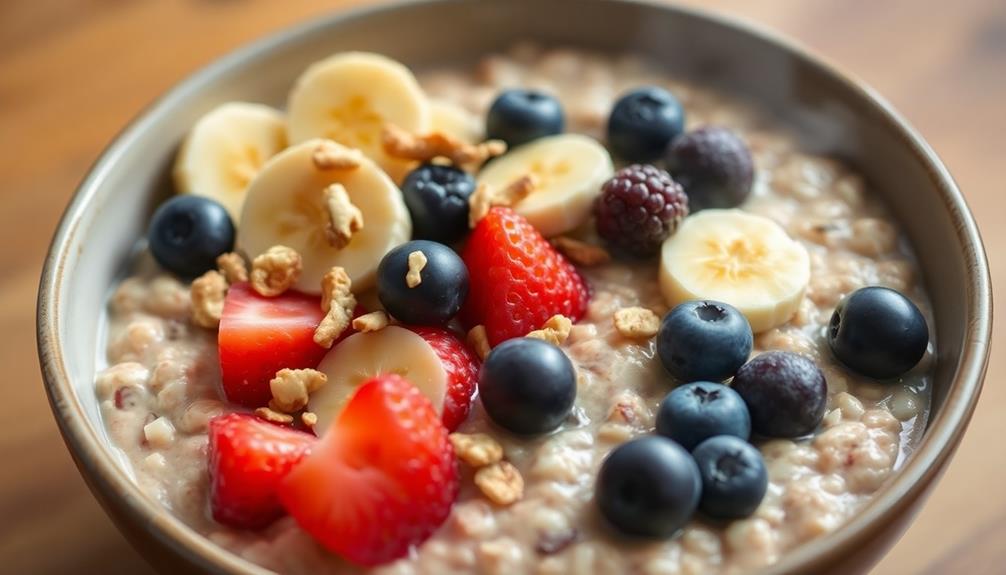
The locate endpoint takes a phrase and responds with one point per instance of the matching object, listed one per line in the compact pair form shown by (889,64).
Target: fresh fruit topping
(697,411)
(742,259)
(527,386)
(639,207)
(248,457)
(422,282)
(785,392)
(704,341)
(518,116)
(648,487)
(568,172)
(462,368)
(260,336)
(437,198)
(714,166)
(361,356)
(286,205)
(734,479)
(381,480)
(878,332)
(349,97)
(225,149)
(188,233)
(643,122)
(456,122)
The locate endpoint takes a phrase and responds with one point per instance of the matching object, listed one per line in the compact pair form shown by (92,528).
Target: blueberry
(785,393)
(187,233)
(704,341)
(734,479)
(437,197)
(713,165)
(877,332)
(519,116)
(527,386)
(649,487)
(697,411)
(442,289)
(643,122)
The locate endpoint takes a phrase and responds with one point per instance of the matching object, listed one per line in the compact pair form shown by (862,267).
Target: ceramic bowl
(832,114)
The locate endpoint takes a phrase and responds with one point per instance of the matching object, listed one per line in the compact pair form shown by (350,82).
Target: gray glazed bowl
(832,114)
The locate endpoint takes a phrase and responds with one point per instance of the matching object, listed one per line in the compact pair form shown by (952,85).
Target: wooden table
(73,73)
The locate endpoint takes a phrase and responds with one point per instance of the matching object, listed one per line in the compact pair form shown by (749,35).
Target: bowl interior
(830,114)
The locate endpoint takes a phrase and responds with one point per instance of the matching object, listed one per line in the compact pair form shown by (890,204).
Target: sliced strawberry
(381,480)
(247,459)
(517,280)
(462,367)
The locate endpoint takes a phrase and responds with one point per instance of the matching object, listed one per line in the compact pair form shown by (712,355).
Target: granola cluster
(275,271)
(344,218)
(338,303)
(402,144)
(486,197)
(496,478)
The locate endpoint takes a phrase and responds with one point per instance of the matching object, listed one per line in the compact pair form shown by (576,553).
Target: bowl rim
(118,492)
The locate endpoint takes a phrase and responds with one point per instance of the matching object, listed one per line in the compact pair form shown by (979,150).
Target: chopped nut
(233,267)
(581,253)
(159,433)
(478,340)
(331,156)
(476,449)
(344,219)
(399,143)
(207,294)
(292,387)
(637,322)
(417,261)
(500,482)
(338,303)
(309,419)
(486,197)
(275,271)
(555,330)
(273,416)
(372,321)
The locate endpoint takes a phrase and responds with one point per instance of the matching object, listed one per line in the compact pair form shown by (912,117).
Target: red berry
(247,459)
(462,367)
(381,480)
(639,207)
(517,280)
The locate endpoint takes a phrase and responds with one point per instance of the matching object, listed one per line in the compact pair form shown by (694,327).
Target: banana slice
(225,149)
(363,355)
(570,168)
(285,205)
(349,97)
(745,260)
(456,121)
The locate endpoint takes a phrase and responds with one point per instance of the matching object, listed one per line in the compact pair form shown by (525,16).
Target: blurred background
(73,72)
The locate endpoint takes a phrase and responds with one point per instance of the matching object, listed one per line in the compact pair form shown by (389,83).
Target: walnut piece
(555,330)
(417,262)
(338,303)
(478,340)
(476,449)
(207,294)
(372,321)
(275,271)
(486,197)
(232,265)
(400,143)
(273,416)
(500,482)
(637,322)
(344,219)
(331,156)
(292,387)
(581,253)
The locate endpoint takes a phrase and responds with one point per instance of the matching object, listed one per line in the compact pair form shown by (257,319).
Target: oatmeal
(527,504)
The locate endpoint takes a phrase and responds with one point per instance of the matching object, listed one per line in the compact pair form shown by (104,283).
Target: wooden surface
(72,73)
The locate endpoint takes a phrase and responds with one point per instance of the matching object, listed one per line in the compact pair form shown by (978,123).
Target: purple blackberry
(639,207)
(714,167)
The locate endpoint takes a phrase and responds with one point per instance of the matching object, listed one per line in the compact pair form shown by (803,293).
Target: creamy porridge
(162,384)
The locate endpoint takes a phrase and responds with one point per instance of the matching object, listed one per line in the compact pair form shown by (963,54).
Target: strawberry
(381,480)
(462,367)
(517,280)
(247,459)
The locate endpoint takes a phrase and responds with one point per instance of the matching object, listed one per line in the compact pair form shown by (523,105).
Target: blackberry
(713,165)
(639,207)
